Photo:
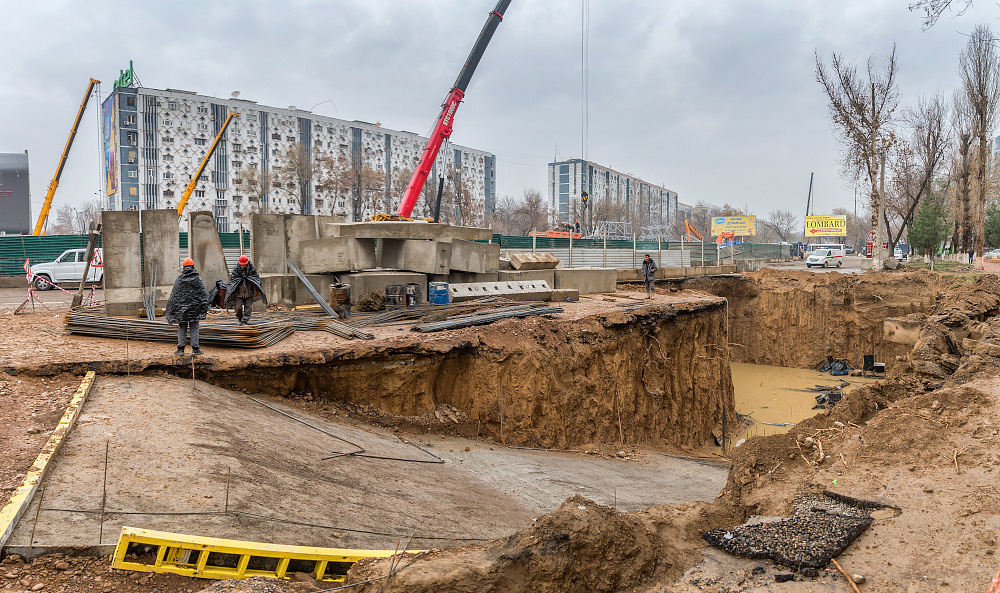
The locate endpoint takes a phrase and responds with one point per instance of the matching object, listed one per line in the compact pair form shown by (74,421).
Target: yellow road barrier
(215,558)
(19,502)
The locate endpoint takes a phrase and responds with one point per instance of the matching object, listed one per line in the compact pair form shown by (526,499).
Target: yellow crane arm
(204,162)
(54,184)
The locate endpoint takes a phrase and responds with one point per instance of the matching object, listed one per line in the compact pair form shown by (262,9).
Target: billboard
(740,226)
(826,226)
(110,125)
(15,200)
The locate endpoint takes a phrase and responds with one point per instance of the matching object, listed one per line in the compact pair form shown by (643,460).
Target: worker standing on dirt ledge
(244,287)
(188,303)
(649,275)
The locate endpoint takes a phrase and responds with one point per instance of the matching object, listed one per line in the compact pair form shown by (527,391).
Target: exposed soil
(59,573)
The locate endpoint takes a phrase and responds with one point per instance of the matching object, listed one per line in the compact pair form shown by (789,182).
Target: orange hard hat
(187,262)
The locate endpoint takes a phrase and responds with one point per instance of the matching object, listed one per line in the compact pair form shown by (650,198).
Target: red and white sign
(97,262)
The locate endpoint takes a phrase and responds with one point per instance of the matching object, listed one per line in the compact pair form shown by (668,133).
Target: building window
(166,139)
(290,138)
(133,174)
(275,136)
(130,101)
(166,122)
(133,139)
(133,191)
(203,178)
(252,117)
(132,155)
(237,164)
(202,126)
(129,120)
(202,109)
(318,202)
(199,193)
(199,142)
(171,104)
(237,148)
(168,175)
(168,158)
(168,193)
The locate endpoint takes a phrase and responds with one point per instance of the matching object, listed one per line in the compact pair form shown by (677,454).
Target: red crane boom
(446,120)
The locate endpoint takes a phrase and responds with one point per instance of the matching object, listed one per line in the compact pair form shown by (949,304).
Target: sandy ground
(172,443)
(38,339)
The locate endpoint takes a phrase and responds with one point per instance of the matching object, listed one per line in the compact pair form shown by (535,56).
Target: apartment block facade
(646,203)
(155,139)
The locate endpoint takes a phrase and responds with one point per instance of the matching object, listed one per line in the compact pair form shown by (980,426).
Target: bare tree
(362,185)
(255,184)
(979,68)
(919,157)
(531,213)
(782,223)
(863,113)
(933,9)
(295,171)
(64,222)
(502,219)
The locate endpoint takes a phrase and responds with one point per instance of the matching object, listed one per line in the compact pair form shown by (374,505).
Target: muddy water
(778,397)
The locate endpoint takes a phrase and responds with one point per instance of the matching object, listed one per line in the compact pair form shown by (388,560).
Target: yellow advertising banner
(826,226)
(740,226)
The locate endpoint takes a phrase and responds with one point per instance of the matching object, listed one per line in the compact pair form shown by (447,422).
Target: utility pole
(877,256)
(809,197)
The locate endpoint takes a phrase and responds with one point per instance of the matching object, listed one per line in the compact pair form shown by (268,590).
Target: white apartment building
(155,139)
(647,203)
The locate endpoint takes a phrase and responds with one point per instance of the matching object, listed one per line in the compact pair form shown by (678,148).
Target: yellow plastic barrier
(215,558)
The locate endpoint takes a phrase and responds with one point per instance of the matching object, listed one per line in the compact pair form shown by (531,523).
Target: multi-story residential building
(641,202)
(155,139)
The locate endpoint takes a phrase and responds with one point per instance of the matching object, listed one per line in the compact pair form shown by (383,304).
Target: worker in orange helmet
(187,305)
(244,287)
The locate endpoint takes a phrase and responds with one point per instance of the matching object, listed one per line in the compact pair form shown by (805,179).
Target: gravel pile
(822,526)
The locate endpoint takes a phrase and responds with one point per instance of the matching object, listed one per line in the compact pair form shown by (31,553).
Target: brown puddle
(778,397)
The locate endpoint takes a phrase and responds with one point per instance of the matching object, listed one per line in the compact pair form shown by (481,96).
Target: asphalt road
(852,265)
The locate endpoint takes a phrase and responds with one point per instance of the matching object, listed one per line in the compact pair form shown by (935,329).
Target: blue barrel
(437,293)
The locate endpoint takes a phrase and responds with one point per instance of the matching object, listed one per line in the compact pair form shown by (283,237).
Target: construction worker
(244,287)
(188,303)
(577,227)
(649,275)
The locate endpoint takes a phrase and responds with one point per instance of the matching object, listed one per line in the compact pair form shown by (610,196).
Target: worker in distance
(244,287)
(186,306)
(649,275)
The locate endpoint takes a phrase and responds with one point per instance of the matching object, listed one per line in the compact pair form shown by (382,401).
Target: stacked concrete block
(587,280)
(205,248)
(122,262)
(535,290)
(267,243)
(454,277)
(426,257)
(408,230)
(548,276)
(336,254)
(520,260)
(160,252)
(478,258)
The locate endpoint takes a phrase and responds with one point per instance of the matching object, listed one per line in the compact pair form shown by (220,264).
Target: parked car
(993,254)
(848,249)
(68,267)
(825,258)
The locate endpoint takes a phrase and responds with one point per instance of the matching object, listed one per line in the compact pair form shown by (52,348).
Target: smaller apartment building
(646,203)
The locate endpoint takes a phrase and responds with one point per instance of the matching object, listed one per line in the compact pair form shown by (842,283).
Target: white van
(842,248)
(826,257)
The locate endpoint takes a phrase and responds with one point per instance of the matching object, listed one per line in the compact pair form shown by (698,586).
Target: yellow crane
(204,162)
(47,205)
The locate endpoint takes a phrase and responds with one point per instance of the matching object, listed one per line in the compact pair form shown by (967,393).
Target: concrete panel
(901,330)
(267,243)
(321,282)
(426,257)
(454,277)
(561,295)
(363,283)
(547,276)
(521,260)
(336,254)
(160,250)
(469,256)
(532,290)
(205,248)
(408,230)
(696,271)
(587,280)
(122,262)
(280,289)
(304,227)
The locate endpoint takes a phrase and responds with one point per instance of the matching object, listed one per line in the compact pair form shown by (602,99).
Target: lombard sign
(740,226)
(826,226)
(126,78)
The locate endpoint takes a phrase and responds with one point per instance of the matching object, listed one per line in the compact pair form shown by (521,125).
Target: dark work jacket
(648,270)
(188,300)
(240,275)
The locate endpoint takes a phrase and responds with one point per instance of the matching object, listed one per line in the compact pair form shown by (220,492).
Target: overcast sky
(715,100)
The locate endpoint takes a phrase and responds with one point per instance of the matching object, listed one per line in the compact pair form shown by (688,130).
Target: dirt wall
(797,318)
(658,376)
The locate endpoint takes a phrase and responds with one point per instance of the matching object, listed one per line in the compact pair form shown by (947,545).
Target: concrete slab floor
(171,444)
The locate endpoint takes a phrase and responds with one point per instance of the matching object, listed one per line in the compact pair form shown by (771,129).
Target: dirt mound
(261,585)
(581,547)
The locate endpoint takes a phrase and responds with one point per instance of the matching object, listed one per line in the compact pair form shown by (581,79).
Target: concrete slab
(279,288)
(426,257)
(174,442)
(561,295)
(205,248)
(547,276)
(122,262)
(524,260)
(408,230)
(363,283)
(587,280)
(304,227)
(479,258)
(160,250)
(336,254)
(454,277)
(267,243)
(532,290)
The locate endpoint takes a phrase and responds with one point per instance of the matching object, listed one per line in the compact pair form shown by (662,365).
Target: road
(852,265)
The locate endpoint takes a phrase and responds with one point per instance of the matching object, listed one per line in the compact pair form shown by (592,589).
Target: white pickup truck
(68,267)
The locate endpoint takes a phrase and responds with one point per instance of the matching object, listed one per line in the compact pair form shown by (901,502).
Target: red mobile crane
(446,120)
